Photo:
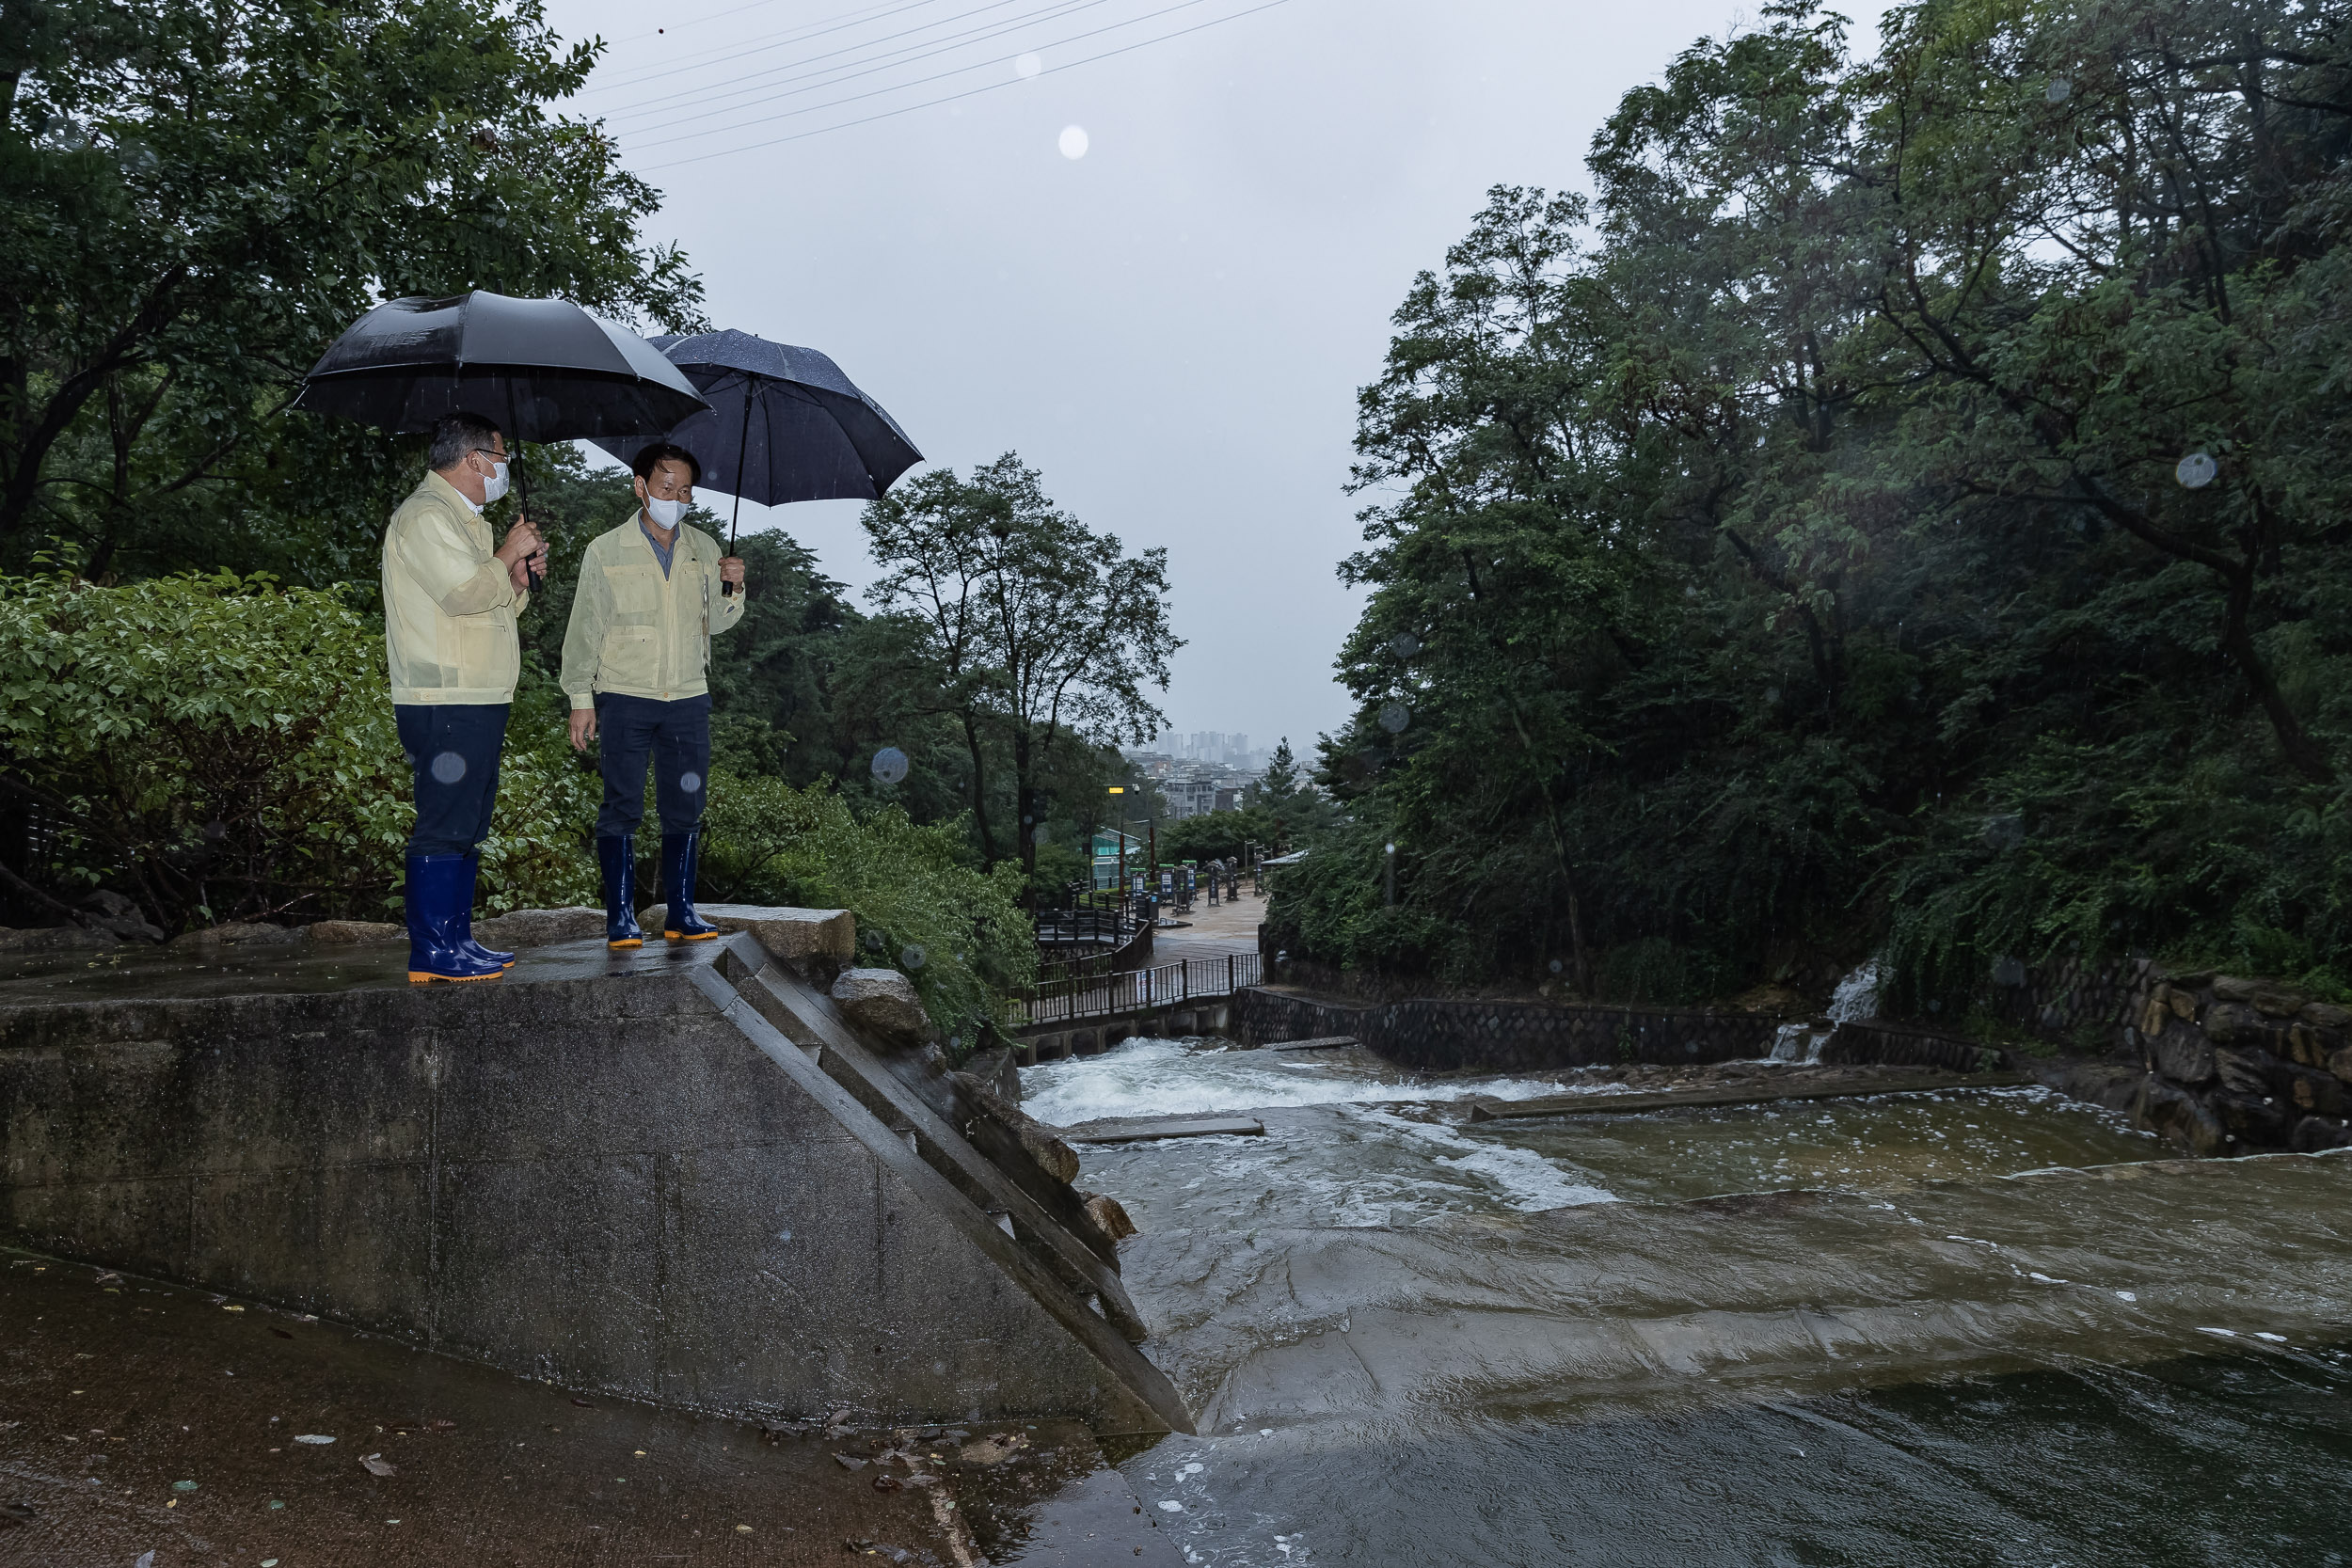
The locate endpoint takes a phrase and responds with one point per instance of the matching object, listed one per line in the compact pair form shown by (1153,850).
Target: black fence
(1140,990)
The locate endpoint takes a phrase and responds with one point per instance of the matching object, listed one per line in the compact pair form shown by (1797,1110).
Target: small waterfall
(1856,997)
(1801,1043)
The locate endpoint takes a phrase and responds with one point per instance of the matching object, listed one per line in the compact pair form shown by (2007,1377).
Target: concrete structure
(678,1175)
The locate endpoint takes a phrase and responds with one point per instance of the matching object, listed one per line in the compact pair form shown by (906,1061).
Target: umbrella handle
(726,590)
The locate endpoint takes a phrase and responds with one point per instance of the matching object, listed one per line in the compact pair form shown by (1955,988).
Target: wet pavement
(137,1418)
(292,969)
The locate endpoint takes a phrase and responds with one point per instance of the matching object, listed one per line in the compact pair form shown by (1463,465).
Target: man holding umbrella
(635,661)
(450,604)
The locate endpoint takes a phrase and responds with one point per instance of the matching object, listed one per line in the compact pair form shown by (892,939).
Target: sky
(1171,324)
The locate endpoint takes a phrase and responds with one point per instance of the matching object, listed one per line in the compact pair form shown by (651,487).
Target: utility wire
(845,71)
(969,93)
(839,21)
(732,10)
(937,76)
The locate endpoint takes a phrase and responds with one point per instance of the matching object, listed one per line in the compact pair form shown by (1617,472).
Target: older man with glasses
(450,605)
(636,662)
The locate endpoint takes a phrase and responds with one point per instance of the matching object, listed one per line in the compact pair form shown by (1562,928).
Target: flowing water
(1994,1327)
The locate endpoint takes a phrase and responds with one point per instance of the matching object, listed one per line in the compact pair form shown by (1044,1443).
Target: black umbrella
(541,370)
(785,420)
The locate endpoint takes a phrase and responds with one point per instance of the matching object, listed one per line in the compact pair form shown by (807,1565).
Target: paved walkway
(1211,932)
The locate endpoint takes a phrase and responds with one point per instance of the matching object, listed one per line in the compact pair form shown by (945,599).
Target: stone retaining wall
(2223,1065)
(1437,1035)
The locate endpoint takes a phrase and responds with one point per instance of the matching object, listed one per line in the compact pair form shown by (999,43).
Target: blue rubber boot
(616,854)
(438,895)
(473,875)
(678,880)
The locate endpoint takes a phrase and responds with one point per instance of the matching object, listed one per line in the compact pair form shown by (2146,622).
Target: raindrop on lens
(1556,966)
(2196,470)
(890,764)
(1027,65)
(2059,90)
(448,768)
(1072,142)
(690,782)
(1404,644)
(912,956)
(1772,694)
(1394,717)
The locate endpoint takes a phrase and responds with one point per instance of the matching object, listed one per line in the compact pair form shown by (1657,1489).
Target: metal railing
(1138,991)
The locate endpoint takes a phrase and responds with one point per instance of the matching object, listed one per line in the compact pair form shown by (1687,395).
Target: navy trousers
(453,752)
(673,737)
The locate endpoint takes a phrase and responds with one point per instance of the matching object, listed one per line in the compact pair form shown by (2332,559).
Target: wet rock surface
(883,1001)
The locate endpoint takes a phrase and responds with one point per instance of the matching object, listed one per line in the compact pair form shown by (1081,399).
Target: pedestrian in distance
(635,663)
(451,601)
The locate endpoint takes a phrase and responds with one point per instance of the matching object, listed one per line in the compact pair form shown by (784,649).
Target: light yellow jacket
(640,634)
(449,606)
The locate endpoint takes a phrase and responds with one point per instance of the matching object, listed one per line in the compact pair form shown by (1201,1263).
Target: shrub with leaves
(958,932)
(220,748)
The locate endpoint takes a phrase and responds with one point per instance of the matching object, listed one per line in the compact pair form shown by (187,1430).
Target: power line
(844,71)
(936,77)
(839,22)
(970,93)
(692,21)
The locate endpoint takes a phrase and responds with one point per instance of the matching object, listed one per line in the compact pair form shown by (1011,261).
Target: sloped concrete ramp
(609,1171)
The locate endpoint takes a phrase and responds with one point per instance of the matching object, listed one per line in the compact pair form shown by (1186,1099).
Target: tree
(202,196)
(1035,632)
(1790,541)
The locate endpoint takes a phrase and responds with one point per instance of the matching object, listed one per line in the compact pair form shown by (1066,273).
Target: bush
(959,933)
(219,748)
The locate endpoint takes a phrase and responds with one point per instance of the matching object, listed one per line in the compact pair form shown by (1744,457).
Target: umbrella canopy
(785,423)
(541,370)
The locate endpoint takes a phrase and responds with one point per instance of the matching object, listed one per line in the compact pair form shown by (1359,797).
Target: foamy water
(1163,1077)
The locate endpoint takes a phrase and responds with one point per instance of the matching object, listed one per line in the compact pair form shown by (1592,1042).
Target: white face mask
(493,486)
(665,514)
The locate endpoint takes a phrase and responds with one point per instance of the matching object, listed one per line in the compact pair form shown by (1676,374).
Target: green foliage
(202,196)
(1217,836)
(1783,556)
(218,748)
(914,895)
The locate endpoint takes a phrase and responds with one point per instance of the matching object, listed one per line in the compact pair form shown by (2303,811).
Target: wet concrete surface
(160,973)
(140,1417)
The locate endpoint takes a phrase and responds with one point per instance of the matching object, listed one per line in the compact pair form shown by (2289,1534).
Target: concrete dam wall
(683,1175)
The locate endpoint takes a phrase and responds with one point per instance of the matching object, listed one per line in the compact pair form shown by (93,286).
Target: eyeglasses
(493,454)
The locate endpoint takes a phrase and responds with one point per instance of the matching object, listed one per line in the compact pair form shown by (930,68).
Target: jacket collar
(443,491)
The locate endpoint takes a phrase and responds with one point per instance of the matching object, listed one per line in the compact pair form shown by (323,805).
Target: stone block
(2179,1116)
(820,943)
(2311,1046)
(521,929)
(884,1001)
(2183,1054)
(2327,1015)
(2320,1093)
(346,933)
(2112,1087)
(2247,1072)
(2315,1133)
(2182,1003)
(2257,1119)
(2232,1023)
(2266,996)
(2340,1063)
(55,938)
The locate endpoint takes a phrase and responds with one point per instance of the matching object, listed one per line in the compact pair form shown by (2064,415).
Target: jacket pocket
(636,591)
(632,656)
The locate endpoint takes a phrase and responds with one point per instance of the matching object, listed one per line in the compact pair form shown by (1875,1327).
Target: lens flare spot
(448,768)
(1027,64)
(1072,142)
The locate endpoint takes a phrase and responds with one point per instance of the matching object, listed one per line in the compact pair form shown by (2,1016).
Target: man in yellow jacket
(636,658)
(450,604)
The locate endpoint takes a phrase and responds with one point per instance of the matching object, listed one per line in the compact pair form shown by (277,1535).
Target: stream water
(1980,1327)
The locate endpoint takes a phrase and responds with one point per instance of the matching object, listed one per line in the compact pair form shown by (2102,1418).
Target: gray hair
(456,435)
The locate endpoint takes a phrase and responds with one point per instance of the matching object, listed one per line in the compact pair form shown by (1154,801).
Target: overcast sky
(1172,326)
